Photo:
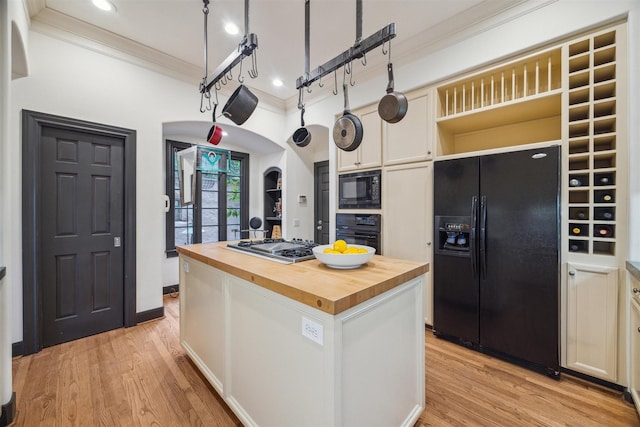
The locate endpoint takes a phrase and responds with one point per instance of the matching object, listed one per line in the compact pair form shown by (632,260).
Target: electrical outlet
(185,266)
(312,330)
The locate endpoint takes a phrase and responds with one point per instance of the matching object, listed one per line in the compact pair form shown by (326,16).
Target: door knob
(116,242)
(319,222)
(319,227)
(572,273)
(636,290)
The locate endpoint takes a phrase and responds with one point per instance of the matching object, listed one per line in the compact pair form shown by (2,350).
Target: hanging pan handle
(390,74)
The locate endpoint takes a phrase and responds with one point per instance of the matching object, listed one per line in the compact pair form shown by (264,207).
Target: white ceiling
(169,34)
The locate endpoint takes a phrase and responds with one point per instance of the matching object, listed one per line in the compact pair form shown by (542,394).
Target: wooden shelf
(532,108)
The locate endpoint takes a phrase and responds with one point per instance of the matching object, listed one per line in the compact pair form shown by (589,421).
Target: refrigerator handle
(473,237)
(483,236)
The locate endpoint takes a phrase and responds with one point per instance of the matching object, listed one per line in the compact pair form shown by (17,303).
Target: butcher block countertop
(310,282)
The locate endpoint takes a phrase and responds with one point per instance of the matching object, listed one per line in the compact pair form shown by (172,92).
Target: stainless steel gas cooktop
(284,251)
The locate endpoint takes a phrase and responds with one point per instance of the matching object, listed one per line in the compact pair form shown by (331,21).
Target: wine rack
(592,71)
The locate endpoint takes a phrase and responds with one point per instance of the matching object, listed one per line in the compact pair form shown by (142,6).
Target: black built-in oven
(359,229)
(360,190)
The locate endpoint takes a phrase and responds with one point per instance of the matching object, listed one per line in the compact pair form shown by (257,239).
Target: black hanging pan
(347,131)
(393,106)
(302,136)
(240,105)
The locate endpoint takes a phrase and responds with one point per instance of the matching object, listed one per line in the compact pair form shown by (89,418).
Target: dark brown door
(321,201)
(82,211)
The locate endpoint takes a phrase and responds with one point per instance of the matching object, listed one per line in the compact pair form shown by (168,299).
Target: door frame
(32,124)
(317,210)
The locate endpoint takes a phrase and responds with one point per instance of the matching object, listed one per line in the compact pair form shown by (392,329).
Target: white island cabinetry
(278,361)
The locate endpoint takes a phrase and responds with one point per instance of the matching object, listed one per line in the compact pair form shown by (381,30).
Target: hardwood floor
(141,377)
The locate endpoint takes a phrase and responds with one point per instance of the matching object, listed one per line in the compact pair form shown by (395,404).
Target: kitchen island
(303,344)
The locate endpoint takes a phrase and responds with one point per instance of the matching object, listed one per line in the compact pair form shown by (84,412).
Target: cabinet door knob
(572,273)
(636,290)
(638,329)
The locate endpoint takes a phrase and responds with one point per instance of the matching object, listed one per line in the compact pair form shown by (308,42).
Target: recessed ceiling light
(231,28)
(105,5)
(277,82)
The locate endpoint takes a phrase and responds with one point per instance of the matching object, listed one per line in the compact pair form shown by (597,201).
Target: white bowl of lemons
(342,255)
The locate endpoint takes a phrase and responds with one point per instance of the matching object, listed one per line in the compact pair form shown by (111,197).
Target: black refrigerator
(496,258)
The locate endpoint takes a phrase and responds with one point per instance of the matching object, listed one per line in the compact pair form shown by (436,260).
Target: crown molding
(63,27)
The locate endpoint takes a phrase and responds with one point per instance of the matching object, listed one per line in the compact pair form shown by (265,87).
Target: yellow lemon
(362,251)
(330,251)
(339,245)
(351,250)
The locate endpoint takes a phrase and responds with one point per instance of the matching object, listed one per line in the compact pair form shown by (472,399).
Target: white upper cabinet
(369,154)
(409,140)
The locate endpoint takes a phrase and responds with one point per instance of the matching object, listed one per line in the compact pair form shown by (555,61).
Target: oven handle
(366,236)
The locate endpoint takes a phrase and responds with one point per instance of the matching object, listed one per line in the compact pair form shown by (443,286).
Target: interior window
(218,210)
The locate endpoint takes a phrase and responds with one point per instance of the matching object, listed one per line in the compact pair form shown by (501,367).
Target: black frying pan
(302,136)
(393,106)
(347,131)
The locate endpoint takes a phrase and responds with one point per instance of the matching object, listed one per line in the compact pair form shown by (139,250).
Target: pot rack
(357,51)
(245,49)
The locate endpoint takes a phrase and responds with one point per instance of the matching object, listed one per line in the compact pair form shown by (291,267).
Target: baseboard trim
(594,380)
(17,349)
(8,411)
(154,313)
(173,289)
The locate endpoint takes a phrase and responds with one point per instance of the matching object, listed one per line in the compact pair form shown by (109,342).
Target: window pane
(183,225)
(183,215)
(210,234)
(234,182)
(210,204)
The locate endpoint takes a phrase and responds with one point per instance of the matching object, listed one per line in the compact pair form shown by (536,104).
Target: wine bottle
(577,229)
(577,246)
(602,230)
(606,214)
(578,213)
(604,196)
(604,179)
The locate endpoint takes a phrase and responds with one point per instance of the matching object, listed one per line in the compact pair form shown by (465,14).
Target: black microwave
(360,190)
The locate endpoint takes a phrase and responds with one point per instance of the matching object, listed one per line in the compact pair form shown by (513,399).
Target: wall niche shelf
(273,202)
